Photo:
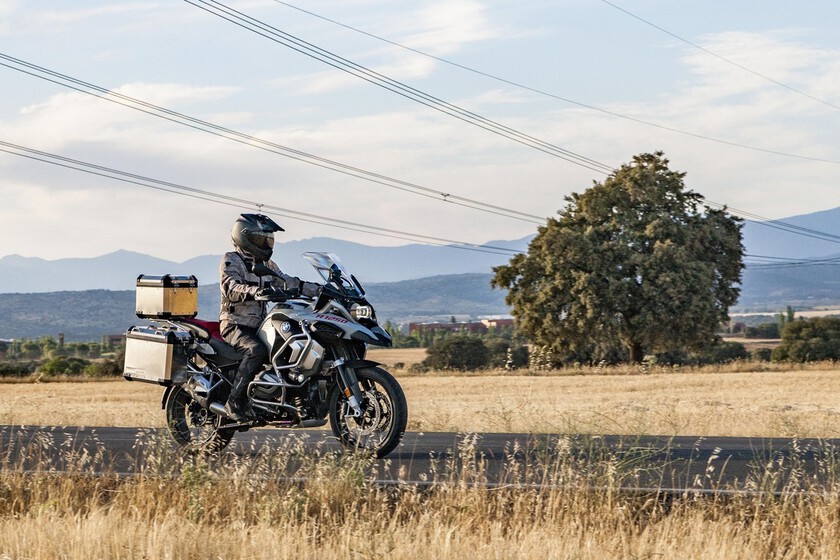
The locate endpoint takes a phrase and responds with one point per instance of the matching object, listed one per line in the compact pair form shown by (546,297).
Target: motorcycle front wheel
(384,413)
(194,428)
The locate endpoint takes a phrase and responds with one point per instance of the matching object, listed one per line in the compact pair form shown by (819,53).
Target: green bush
(762,354)
(105,368)
(16,369)
(764,330)
(720,353)
(809,340)
(63,365)
(506,354)
(723,353)
(457,352)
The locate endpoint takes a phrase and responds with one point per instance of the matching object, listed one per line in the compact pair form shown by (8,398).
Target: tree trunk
(637,352)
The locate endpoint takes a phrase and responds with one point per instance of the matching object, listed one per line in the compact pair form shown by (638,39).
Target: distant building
(495,324)
(498,325)
(113,340)
(471,327)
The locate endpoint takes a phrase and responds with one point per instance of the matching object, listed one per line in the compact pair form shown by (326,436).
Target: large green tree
(637,263)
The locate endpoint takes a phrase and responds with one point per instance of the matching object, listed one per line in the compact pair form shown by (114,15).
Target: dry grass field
(183,507)
(245,508)
(787,403)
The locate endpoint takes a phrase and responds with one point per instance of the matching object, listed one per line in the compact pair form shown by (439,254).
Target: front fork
(349,384)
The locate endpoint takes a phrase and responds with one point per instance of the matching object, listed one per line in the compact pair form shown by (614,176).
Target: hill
(768,239)
(119,270)
(87,315)
(404,282)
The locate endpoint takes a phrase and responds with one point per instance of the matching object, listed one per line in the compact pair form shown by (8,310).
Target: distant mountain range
(770,238)
(95,296)
(119,270)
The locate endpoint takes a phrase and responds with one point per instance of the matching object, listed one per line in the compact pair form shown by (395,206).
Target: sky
(744,97)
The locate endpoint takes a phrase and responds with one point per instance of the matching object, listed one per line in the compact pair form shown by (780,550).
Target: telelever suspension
(350,386)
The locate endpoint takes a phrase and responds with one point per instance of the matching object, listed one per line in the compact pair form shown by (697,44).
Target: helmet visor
(261,239)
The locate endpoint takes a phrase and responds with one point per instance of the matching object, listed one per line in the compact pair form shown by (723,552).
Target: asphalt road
(674,464)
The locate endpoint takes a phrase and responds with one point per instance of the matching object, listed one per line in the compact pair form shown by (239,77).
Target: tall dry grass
(237,507)
(706,402)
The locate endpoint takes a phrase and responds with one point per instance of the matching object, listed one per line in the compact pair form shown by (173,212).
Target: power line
(242,203)
(253,141)
(204,126)
(322,55)
(778,224)
(560,98)
(723,58)
(238,202)
(782,264)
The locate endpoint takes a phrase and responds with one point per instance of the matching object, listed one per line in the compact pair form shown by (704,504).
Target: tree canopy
(634,265)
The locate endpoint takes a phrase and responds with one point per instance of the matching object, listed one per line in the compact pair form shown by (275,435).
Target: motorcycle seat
(208,331)
(225,350)
(204,330)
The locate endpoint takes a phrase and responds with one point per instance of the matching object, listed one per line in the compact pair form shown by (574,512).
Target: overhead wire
(81,86)
(558,97)
(778,224)
(759,263)
(230,134)
(786,263)
(199,124)
(288,40)
(242,203)
(238,202)
(249,23)
(723,58)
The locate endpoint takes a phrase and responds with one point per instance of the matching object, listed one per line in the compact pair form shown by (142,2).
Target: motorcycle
(317,370)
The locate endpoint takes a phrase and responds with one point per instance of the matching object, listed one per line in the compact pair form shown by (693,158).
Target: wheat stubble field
(239,510)
(712,402)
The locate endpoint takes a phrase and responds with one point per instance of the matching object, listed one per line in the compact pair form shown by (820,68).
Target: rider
(241,314)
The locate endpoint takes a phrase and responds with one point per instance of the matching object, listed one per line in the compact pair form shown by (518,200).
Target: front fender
(166,396)
(359,364)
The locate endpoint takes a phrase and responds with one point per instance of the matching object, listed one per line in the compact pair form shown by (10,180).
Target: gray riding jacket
(239,286)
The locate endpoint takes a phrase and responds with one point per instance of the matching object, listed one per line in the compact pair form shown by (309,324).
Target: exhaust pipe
(218,408)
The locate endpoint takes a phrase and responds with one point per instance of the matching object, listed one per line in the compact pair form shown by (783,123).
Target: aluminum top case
(167,296)
(156,355)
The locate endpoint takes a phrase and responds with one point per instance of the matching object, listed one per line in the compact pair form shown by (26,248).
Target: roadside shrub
(506,354)
(420,367)
(104,368)
(457,352)
(723,353)
(762,354)
(16,369)
(720,353)
(673,357)
(763,330)
(809,340)
(63,365)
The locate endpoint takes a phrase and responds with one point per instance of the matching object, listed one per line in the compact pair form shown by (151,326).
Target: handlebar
(277,295)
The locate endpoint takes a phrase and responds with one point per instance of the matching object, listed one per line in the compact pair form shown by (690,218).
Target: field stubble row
(705,402)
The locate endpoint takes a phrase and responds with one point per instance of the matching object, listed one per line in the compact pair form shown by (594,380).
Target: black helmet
(254,234)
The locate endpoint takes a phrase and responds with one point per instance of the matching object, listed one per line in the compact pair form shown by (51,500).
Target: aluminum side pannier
(156,355)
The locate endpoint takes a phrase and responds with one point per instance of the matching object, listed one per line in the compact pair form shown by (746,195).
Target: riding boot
(234,407)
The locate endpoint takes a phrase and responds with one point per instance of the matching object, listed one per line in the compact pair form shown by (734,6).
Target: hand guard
(268,294)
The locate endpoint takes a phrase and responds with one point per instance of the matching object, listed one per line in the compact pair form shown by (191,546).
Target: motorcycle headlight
(361,311)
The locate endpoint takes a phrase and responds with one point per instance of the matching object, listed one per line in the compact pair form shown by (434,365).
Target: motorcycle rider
(241,314)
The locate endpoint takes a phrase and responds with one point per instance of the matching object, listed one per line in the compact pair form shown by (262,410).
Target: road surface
(672,464)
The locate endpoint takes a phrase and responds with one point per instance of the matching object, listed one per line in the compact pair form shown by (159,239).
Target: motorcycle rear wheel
(385,413)
(194,428)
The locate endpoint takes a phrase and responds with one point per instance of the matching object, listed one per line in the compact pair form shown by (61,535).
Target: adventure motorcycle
(317,369)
